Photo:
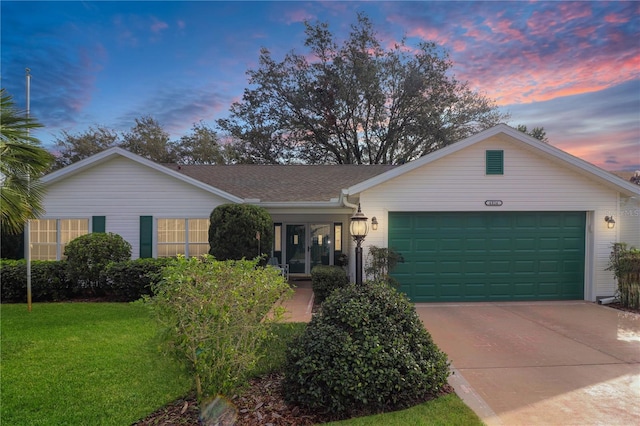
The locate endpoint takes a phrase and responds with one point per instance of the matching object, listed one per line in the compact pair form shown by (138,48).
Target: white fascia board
(116,151)
(296,204)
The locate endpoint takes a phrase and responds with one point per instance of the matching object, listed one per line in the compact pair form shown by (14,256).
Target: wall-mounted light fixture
(610,222)
(374,223)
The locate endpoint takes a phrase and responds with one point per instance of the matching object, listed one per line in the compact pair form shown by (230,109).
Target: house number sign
(493,203)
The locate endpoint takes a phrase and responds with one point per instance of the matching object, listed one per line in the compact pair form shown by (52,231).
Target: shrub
(48,281)
(365,351)
(234,230)
(89,254)
(130,280)
(325,279)
(381,261)
(214,314)
(625,264)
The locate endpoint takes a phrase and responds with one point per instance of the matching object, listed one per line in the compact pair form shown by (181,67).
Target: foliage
(537,132)
(625,264)
(354,103)
(22,162)
(325,279)
(148,139)
(202,146)
(83,364)
(48,281)
(131,279)
(381,261)
(11,244)
(88,255)
(366,350)
(71,148)
(342,259)
(214,317)
(234,230)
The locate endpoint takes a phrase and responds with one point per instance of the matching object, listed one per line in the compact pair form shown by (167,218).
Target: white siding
(628,220)
(531,182)
(123,190)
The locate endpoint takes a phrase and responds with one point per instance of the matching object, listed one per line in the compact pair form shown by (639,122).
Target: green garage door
(480,256)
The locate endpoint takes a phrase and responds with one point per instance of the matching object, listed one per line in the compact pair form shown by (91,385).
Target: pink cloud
(300,15)
(614,18)
(158,26)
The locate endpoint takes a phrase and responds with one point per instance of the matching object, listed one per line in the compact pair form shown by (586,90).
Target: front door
(297,249)
(308,245)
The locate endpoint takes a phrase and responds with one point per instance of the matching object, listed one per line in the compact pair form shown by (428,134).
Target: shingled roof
(281,183)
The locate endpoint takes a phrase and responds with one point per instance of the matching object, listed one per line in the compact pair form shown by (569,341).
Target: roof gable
(111,153)
(514,136)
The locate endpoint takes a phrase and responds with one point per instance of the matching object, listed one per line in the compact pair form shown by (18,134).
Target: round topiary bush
(365,351)
(88,255)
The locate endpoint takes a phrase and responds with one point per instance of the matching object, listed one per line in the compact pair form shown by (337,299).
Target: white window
(189,237)
(49,237)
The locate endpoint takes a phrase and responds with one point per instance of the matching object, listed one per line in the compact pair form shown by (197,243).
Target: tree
(75,147)
(22,162)
(240,231)
(148,139)
(536,132)
(356,103)
(201,146)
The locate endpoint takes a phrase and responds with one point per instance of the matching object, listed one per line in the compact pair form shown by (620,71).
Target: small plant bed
(262,403)
(621,307)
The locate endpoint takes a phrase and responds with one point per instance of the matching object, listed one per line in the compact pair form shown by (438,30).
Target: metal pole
(27,227)
(358,264)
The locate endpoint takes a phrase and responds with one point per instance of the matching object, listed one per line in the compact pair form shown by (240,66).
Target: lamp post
(359,229)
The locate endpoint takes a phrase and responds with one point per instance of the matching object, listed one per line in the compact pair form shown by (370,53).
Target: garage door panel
(499,256)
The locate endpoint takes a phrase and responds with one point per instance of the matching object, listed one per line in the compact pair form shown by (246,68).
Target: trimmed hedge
(119,281)
(325,279)
(130,280)
(366,351)
(49,281)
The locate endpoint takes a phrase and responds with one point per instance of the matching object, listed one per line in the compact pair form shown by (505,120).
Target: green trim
(494,162)
(146,236)
(98,224)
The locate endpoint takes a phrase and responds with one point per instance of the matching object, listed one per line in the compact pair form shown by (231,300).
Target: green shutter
(495,162)
(146,236)
(99,224)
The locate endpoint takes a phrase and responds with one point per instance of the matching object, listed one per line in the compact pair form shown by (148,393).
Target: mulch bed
(261,404)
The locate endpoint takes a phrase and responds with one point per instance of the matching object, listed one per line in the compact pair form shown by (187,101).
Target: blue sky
(571,67)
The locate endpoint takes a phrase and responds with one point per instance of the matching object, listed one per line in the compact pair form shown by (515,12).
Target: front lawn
(98,364)
(82,364)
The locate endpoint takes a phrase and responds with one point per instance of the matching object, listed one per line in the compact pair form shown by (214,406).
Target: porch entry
(308,245)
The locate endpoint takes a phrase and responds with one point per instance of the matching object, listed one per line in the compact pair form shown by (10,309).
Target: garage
(489,256)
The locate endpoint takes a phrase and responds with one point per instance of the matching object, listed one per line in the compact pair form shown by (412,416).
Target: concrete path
(544,363)
(299,307)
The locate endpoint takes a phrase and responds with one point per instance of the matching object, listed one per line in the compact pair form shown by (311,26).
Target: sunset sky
(571,67)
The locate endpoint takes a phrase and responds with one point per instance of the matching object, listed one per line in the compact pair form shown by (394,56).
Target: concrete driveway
(543,363)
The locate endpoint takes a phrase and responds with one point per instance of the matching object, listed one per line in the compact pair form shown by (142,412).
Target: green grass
(82,364)
(98,364)
(448,410)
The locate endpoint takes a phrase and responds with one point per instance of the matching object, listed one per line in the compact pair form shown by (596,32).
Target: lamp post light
(359,228)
